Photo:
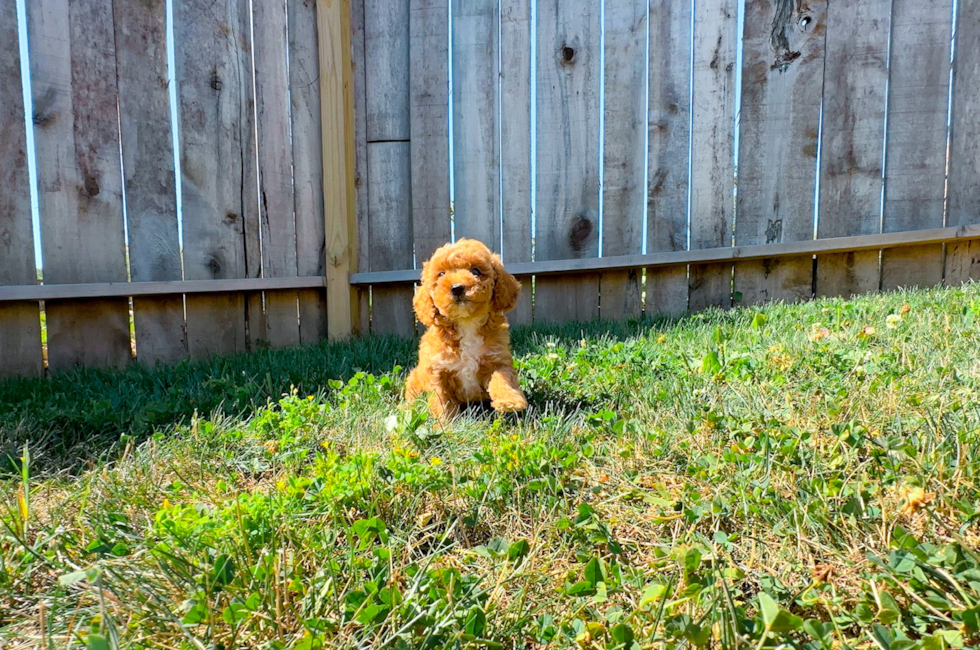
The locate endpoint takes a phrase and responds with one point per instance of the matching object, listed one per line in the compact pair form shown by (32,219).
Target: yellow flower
(892,321)
(662,339)
(435,461)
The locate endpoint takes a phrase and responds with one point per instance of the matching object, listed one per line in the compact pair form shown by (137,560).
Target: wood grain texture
(429,54)
(712,148)
(215,101)
(568,156)
(20,325)
(273,322)
(304,92)
(150,182)
(963,260)
(73,82)
(388,227)
(915,167)
(668,124)
(782,81)
(515,138)
(359,80)
(474,98)
(389,198)
(337,137)
(386,64)
(624,151)
(853,136)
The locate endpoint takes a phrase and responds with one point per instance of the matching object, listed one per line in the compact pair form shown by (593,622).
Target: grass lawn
(803,475)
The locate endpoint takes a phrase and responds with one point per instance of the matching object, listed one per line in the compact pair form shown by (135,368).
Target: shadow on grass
(76,416)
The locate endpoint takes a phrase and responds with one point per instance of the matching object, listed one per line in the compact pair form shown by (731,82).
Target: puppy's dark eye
(477,272)
(442,273)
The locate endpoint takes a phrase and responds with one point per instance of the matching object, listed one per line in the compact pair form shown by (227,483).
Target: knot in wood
(92,188)
(215,81)
(579,232)
(567,54)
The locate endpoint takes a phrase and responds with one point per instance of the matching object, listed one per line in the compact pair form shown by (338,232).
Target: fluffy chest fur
(465,365)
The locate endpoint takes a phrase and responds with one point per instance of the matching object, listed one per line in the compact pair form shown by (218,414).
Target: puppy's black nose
(458,290)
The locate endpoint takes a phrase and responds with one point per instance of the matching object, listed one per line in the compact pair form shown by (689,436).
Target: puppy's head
(462,282)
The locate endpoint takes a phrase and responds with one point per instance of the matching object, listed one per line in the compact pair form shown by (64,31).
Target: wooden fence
(320,150)
(616,122)
(118,278)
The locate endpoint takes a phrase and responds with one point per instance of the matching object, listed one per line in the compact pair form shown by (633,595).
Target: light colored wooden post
(339,199)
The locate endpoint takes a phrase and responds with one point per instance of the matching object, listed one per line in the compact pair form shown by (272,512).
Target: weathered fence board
(429,56)
(476,208)
(915,157)
(273,316)
(20,329)
(782,81)
(220,205)
(389,194)
(568,155)
(515,140)
(389,159)
(668,124)
(624,173)
(73,76)
(963,260)
(712,148)
(359,81)
(853,136)
(150,183)
(304,92)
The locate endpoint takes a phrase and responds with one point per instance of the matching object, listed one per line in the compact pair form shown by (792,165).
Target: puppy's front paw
(510,402)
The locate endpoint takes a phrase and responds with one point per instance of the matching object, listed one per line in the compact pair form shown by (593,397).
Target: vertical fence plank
(853,137)
(148,166)
(389,160)
(389,195)
(782,81)
(963,260)
(429,54)
(515,140)
(668,123)
(73,76)
(279,324)
(337,118)
(20,329)
(475,49)
(358,66)
(915,160)
(304,92)
(624,152)
(220,206)
(568,156)
(712,150)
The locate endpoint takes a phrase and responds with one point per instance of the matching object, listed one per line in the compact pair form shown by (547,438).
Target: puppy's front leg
(442,405)
(505,391)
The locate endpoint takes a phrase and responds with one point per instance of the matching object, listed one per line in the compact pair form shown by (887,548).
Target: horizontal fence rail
(708,255)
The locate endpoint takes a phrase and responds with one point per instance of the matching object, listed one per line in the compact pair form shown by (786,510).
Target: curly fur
(464,355)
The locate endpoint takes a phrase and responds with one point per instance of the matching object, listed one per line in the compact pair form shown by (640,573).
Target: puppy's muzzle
(458,291)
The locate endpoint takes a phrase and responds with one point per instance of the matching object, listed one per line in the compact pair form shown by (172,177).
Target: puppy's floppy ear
(506,289)
(425,308)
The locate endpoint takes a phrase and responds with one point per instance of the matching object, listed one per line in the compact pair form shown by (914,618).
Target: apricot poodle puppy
(464,356)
